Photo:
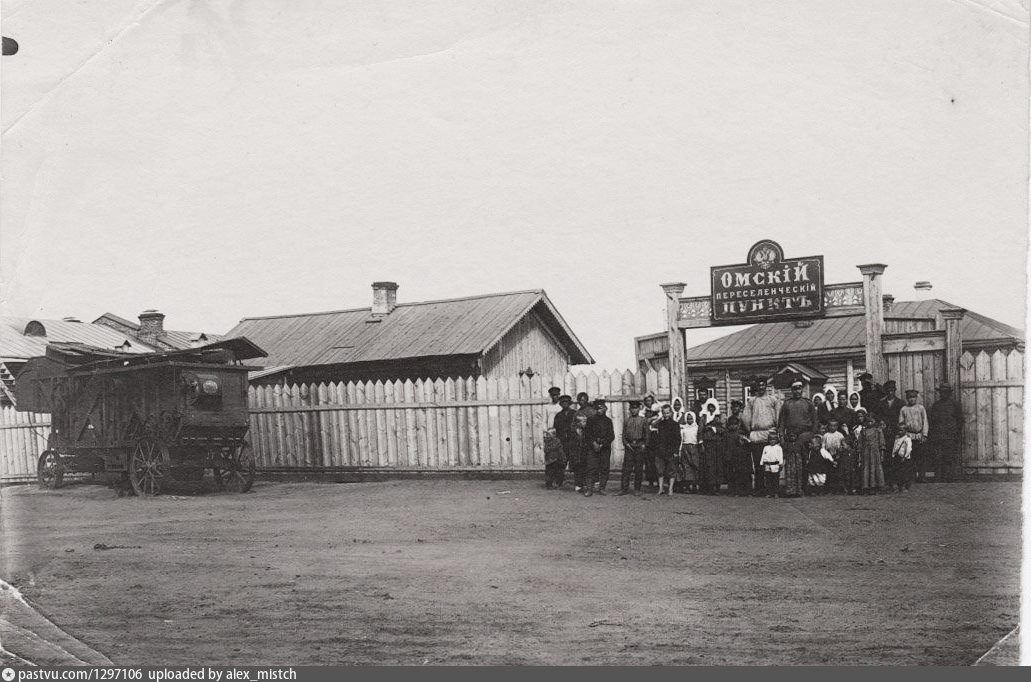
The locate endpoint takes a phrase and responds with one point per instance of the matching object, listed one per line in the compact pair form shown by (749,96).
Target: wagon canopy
(65,359)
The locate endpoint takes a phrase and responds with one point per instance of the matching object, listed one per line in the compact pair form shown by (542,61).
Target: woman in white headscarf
(678,410)
(710,409)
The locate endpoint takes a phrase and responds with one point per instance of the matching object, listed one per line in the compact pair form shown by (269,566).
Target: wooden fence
(497,424)
(455,424)
(23,436)
(992,396)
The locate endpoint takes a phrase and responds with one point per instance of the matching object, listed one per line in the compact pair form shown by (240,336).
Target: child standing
(554,460)
(818,463)
(870,448)
(771,461)
(902,461)
(836,444)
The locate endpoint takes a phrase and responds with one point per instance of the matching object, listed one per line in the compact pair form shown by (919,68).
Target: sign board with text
(767,288)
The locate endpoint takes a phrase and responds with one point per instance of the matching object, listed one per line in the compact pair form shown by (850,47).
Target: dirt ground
(415,572)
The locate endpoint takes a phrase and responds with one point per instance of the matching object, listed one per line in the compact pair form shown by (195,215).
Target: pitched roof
(461,326)
(839,335)
(15,345)
(175,340)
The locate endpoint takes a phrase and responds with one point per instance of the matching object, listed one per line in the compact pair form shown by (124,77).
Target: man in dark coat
(635,449)
(667,447)
(599,435)
(564,423)
(888,410)
(946,434)
(871,395)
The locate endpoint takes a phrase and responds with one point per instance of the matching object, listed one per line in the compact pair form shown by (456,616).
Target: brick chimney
(152,325)
(384,297)
(922,290)
(889,301)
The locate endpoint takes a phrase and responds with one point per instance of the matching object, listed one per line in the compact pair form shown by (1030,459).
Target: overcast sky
(218,160)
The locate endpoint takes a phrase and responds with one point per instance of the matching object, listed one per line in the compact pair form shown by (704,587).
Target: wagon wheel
(148,465)
(239,476)
(49,471)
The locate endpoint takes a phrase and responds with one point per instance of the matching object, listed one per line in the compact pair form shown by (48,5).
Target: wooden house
(506,334)
(828,351)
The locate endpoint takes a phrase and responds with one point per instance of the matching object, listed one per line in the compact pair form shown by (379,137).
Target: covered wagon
(144,418)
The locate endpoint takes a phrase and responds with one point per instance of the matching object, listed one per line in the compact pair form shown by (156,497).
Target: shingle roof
(462,326)
(836,335)
(14,345)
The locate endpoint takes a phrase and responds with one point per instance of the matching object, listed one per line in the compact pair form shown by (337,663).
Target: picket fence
(497,424)
(454,424)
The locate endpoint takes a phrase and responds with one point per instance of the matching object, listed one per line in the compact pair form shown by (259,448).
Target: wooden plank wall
(485,423)
(528,344)
(992,398)
(923,371)
(23,437)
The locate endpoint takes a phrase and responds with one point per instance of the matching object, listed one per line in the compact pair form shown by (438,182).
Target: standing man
(554,408)
(563,423)
(652,414)
(888,412)
(797,414)
(871,395)
(946,434)
(599,435)
(760,420)
(667,447)
(913,421)
(583,404)
(635,449)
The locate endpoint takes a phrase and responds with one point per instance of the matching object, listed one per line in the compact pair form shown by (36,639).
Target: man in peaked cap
(599,435)
(913,420)
(564,424)
(760,420)
(554,408)
(945,435)
(797,414)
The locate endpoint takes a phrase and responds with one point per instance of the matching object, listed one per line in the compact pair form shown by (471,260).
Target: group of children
(848,449)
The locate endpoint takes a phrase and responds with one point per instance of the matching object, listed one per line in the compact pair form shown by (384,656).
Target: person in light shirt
(771,460)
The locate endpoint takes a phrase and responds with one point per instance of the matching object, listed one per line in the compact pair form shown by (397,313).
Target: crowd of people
(862,442)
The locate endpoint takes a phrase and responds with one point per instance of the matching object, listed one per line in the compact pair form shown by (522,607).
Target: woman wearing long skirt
(793,480)
(737,458)
(688,465)
(870,450)
(712,455)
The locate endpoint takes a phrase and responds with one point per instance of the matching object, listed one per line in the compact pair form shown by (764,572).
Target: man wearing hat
(599,435)
(564,424)
(760,420)
(913,420)
(635,448)
(946,434)
(554,393)
(797,414)
(871,395)
(888,410)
